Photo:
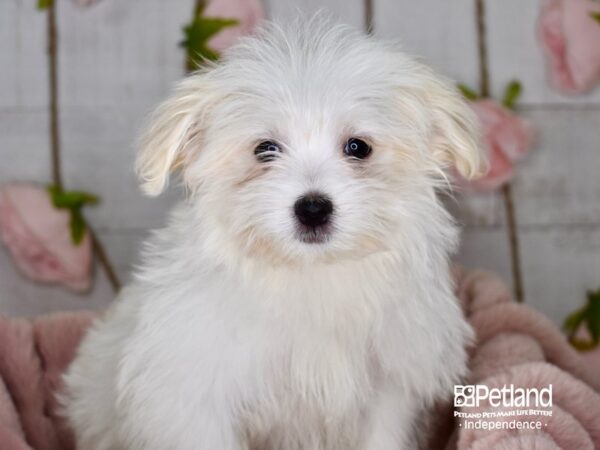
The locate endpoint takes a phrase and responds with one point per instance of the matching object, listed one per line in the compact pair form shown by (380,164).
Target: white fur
(234,334)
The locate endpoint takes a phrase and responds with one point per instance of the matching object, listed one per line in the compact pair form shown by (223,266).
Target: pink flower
(570,38)
(506,139)
(39,238)
(249,13)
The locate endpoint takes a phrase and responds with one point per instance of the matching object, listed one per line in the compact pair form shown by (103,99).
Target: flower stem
(55,150)
(484,73)
(511,223)
(54,114)
(369,22)
(104,261)
(513,239)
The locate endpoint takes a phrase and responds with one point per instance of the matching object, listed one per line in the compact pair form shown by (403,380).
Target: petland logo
(508,396)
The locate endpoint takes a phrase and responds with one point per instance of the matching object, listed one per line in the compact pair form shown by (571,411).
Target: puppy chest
(318,377)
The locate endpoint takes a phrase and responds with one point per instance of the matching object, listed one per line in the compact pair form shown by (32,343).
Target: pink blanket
(33,354)
(519,346)
(515,345)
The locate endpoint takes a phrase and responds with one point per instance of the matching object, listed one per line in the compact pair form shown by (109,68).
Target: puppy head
(310,142)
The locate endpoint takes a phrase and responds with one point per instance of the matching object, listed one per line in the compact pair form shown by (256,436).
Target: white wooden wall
(120,57)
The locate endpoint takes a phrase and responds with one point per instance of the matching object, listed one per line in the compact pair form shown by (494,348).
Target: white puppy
(300,298)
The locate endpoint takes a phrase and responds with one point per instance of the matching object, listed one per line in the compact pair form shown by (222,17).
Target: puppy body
(236,333)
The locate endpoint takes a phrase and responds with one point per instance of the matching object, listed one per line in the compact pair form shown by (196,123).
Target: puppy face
(310,143)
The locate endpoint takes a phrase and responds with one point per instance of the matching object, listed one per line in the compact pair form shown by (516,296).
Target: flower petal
(570,39)
(249,13)
(38,237)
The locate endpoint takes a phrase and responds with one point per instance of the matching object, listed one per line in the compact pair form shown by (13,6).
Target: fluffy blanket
(33,354)
(515,345)
(518,346)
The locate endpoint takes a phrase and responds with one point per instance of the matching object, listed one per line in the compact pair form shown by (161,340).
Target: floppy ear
(455,129)
(162,146)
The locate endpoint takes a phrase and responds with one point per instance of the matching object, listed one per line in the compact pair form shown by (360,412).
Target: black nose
(313,210)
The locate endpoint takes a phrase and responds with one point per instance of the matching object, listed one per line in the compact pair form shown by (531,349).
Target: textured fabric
(519,346)
(33,354)
(515,345)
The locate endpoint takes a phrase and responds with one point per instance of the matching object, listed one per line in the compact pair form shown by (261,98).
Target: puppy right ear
(162,146)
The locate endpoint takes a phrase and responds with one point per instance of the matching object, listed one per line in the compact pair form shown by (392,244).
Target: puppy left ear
(164,143)
(455,129)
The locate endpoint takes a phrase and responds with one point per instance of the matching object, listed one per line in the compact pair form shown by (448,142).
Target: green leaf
(595,16)
(71,199)
(593,316)
(467,92)
(74,201)
(582,345)
(198,33)
(78,226)
(44,4)
(511,94)
(574,320)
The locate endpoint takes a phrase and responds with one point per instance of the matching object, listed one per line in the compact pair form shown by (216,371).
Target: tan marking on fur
(252,174)
(258,247)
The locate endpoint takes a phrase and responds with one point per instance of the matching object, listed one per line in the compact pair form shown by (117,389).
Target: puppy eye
(357,148)
(267,151)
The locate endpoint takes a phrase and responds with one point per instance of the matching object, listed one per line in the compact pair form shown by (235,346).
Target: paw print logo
(464,396)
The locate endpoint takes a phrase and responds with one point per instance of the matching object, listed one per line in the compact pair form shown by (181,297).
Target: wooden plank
(24,146)
(559,265)
(98,156)
(347,11)
(23,63)
(558,183)
(485,248)
(515,53)
(475,208)
(117,61)
(441,33)
(120,53)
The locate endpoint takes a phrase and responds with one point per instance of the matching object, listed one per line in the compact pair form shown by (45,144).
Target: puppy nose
(313,210)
